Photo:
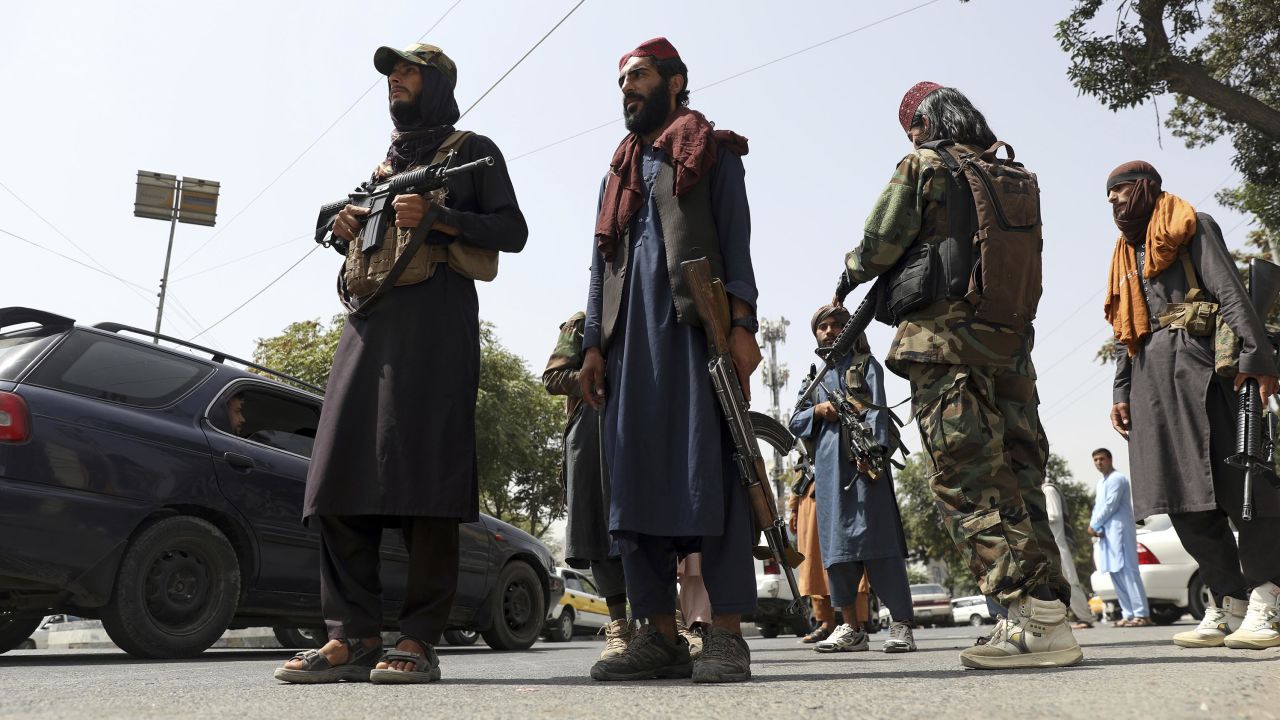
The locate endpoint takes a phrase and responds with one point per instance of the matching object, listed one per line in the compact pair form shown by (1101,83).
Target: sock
(617,606)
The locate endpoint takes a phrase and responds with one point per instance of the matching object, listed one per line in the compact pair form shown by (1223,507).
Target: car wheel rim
(516,605)
(566,625)
(176,591)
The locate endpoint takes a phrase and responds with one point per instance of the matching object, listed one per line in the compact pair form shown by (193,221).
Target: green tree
(519,427)
(927,539)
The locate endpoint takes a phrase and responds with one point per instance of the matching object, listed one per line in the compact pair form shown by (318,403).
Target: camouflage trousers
(981,430)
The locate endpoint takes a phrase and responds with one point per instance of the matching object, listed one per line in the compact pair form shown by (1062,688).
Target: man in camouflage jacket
(974,395)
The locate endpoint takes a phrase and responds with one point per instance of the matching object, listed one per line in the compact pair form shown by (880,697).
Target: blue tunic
(1113,517)
(662,431)
(861,523)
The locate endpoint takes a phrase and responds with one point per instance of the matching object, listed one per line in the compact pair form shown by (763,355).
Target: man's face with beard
(647,99)
(404,87)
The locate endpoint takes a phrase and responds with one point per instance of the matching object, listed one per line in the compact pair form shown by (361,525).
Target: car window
(927,590)
(589,588)
(122,371)
(571,582)
(19,347)
(268,417)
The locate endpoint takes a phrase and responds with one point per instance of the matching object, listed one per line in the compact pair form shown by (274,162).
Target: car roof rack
(20,315)
(216,355)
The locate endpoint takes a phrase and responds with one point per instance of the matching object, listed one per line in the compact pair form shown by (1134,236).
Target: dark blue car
(158,487)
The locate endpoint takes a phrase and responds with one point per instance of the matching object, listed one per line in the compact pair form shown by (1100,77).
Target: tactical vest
(362,273)
(688,233)
(990,253)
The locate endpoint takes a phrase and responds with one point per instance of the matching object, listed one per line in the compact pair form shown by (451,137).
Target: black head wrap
(1132,216)
(419,131)
(825,312)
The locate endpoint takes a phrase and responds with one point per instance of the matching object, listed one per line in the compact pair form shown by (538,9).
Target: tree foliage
(928,540)
(519,436)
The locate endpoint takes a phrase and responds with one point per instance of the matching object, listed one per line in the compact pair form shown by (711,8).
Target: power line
(85,265)
(1059,325)
(255,295)
(737,75)
(242,258)
(1078,394)
(305,150)
(522,57)
(1210,194)
(1083,345)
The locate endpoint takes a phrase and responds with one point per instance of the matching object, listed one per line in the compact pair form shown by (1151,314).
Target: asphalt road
(1127,673)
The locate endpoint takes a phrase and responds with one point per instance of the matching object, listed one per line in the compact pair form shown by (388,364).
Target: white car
(971,610)
(580,609)
(39,639)
(773,600)
(1169,574)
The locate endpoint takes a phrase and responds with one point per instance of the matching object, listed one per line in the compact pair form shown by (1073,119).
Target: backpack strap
(990,153)
(1194,293)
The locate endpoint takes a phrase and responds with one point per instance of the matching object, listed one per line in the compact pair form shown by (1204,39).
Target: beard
(405,112)
(652,113)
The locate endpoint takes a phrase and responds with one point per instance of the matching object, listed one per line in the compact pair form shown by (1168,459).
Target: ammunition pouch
(1198,319)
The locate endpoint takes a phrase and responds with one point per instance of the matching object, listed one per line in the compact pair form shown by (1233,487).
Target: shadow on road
(218,656)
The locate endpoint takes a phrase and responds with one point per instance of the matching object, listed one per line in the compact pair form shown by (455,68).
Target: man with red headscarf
(1178,414)
(972,380)
(675,191)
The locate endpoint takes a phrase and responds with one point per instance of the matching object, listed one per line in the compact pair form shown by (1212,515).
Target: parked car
(39,639)
(773,604)
(971,610)
(1169,574)
(931,604)
(126,495)
(581,608)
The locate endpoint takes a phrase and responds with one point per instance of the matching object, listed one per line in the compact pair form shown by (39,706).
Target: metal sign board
(198,204)
(154,198)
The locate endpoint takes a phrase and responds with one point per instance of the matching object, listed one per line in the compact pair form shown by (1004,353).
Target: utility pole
(774,333)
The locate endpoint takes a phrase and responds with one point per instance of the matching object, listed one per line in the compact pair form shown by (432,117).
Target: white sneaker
(900,639)
(844,639)
(1036,634)
(1260,628)
(1217,623)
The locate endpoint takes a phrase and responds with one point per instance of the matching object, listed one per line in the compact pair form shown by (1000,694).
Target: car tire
(292,637)
(769,631)
(562,629)
(1165,614)
(176,590)
(1197,594)
(976,620)
(461,638)
(15,630)
(517,605)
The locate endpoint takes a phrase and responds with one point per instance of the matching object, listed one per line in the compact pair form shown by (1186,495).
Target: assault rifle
(1255,428)
(713,309)
(859,438)
(378,198)
(843,344)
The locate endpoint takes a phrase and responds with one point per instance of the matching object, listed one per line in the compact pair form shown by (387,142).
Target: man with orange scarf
(1178,416)
(675,191)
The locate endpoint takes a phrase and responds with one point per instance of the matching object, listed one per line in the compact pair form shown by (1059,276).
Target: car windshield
(927,590)
(19,347)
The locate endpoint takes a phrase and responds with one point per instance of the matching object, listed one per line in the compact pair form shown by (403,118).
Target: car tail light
(15,420)
(772,568)
(1146,557)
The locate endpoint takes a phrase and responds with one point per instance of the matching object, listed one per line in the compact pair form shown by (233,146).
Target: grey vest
(688,233)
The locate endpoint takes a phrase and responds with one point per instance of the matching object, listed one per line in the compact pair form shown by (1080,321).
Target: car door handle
(243,463)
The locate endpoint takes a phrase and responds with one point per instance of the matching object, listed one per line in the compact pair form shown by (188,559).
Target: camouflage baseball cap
(385,59)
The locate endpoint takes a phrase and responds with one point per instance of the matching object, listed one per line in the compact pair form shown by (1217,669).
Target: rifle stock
(712,305)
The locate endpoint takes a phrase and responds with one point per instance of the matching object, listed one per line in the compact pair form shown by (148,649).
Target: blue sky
(238,91)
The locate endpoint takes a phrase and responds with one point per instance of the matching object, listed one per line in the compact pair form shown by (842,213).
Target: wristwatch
(749,322)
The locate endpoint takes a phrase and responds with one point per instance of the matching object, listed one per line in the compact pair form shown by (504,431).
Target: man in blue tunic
(675,192)
(859,527)
(1112,523)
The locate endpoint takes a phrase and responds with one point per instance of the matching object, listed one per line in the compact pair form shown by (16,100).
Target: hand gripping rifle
(1255,429)
(713,309)
(378,198)
(861,446)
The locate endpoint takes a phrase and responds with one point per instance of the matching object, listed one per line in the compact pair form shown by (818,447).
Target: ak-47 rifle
(1255,429)
(713,309)
(378,198)
(861,447)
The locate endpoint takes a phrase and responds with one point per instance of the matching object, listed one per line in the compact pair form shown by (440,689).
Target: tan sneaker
(1260,628)
(692,635)
(1217,623)
(1035,635)
(617,634)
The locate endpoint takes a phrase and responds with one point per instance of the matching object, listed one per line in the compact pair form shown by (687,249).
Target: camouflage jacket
(912,209)
(561,375)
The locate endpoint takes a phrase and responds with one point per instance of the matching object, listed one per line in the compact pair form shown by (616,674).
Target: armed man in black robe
(396,442)
(1170,274)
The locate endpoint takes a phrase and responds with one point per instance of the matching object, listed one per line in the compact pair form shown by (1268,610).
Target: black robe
(397,435)
(1182,415)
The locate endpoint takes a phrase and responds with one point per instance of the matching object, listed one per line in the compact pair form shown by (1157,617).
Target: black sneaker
(725,658)
(649,655)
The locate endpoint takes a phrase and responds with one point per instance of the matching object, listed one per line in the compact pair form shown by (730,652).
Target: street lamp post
(169,197)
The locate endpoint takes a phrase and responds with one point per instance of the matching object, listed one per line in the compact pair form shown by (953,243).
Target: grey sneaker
(725,658)
(649,655)
(844,639)
(900,639)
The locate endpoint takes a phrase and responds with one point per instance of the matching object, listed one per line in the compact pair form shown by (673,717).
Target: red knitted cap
(911,101)
(658,48)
